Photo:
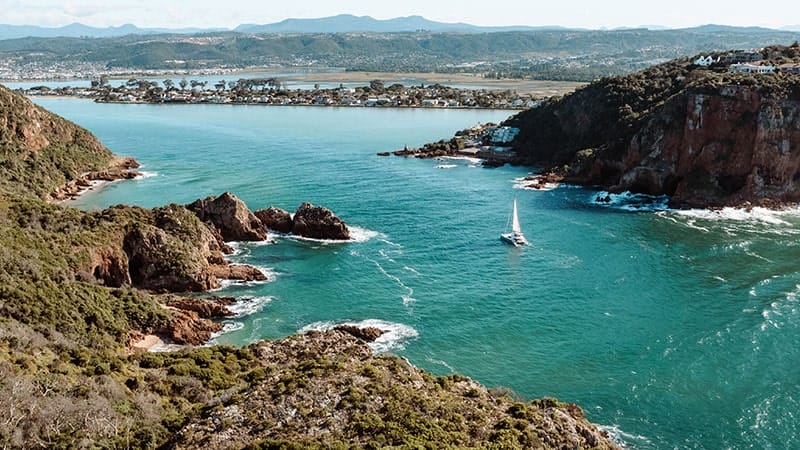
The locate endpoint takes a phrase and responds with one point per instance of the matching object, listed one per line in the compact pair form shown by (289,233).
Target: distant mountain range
(79,30)
(345,23)
(342,23)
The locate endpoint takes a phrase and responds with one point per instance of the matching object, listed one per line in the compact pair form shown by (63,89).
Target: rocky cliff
(701,135)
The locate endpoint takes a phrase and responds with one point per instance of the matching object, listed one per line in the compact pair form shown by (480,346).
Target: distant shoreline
(541,88)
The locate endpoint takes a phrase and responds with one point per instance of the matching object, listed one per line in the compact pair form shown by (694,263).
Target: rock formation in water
(318,222)
(230,216)
(275,219)
(702,136)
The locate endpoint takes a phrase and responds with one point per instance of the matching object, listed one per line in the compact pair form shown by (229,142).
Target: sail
(515,219)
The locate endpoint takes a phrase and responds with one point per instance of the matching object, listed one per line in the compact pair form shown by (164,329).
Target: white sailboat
(515,237)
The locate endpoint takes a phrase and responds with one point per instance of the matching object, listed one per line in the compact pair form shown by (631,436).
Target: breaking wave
(394,337)
(628,201)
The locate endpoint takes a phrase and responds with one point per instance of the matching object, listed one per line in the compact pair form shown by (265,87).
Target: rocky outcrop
(188,328)
(327,389)
(230,216)
(366,334)
(701,136)
(275,219)
(120,169)
(239,272)
(179,253)
(205,309)
(109,266)
(319,223)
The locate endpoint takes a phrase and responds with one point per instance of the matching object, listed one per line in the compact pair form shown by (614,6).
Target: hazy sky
(571,13)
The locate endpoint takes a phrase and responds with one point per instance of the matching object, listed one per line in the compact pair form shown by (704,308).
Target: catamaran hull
(512,239)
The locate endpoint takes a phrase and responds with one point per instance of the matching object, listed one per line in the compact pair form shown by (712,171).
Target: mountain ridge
(341,23)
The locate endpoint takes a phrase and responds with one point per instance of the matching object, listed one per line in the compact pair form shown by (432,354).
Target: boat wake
(394,338)
(408,297)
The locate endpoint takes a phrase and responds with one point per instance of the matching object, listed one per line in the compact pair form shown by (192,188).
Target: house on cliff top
(751,68)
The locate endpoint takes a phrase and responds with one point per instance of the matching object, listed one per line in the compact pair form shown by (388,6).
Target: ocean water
(672,329)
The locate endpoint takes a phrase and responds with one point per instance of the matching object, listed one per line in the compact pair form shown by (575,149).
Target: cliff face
(701,137)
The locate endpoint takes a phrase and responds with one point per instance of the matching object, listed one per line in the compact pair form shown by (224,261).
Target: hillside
(701,135)
(577,55)
(78,289)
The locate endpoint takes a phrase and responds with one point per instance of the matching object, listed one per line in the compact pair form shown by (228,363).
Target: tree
(376,85)
(168,84)
(183,84)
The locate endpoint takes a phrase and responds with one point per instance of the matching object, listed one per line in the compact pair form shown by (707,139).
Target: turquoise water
(674,330)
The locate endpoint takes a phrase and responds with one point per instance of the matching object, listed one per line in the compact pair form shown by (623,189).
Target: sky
(592,14)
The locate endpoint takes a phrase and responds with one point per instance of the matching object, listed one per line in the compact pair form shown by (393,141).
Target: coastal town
(271,91)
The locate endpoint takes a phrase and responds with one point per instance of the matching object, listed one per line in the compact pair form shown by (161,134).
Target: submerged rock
(230,216)
(275,219)
(319,223)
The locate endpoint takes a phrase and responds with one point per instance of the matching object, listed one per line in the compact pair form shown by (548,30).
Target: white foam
(143,175)
(394,337)
(269,273)
(527,183)
(446,166)
(249,305)
(621,437)
(769,216)
(408,297)
(469,159)
(628,201)
(357,235)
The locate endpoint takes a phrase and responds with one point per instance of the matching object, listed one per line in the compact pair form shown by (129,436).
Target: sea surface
(671,329)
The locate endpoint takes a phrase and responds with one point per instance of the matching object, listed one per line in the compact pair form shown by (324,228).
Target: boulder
(275,219)
(367,334)
(230,216)
(206,309)
(109,266)
(160,261)
(187,327)
(319,222)
(239,272)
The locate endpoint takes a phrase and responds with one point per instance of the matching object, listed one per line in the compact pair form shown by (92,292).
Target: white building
(705,61)
(750,68)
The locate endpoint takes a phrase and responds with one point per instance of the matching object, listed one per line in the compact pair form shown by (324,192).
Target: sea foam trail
(144,174)
(357,235)
(394,337)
